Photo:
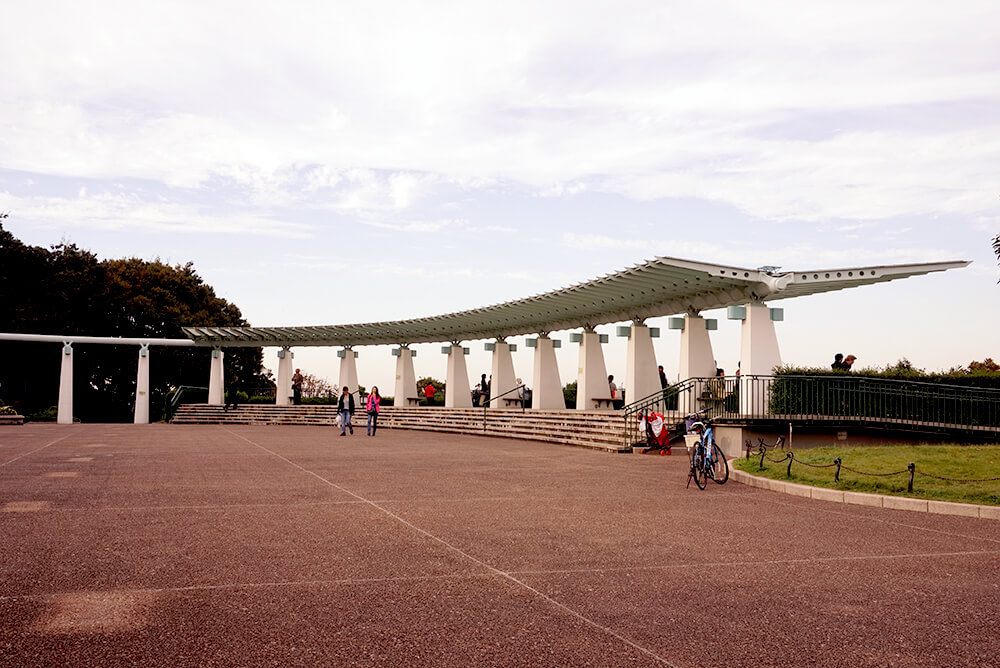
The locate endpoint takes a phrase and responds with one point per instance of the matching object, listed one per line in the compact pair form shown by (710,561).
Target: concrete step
(602,430)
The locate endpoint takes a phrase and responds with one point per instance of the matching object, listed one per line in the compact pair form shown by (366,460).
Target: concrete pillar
(348,369)
(641,377)
(457,391)
(65,411)
(592,374)
(283,386)
(406,379)
(546,386)
(216,378)
(759,352)
(142,387)
(697,359)
(502,371)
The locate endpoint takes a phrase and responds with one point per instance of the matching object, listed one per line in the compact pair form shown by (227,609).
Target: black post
(791,458)
(836,475)
(912,467)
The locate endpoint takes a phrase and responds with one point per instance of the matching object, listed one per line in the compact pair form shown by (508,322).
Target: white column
(641,377)
(457,391)
(697,358)
(406,379)
(592,374)
(283,386)
(759,352)
(142,387)
(546,387)
(502,370)
(216,389)
(65,411)
(348,369)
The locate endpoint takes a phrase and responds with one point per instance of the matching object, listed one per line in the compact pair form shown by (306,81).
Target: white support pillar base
(65,411)
(457,391)
(759,352)
(592,374)
(283,386)
(697,360)
(348,370)
(502,370)
(641,377)
(546,390)
(216,389)
(406,379)
(142,388)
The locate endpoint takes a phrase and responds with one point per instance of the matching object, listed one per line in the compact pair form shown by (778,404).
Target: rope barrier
(911,469)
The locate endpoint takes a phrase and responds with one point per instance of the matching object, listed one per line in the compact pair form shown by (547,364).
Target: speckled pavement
(169,545)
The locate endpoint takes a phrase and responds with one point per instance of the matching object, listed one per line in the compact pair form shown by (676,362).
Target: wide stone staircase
(602,430)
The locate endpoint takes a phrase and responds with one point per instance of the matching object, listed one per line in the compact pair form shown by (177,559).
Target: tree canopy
(66,290)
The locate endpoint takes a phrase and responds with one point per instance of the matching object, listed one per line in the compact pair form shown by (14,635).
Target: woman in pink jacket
(371,407)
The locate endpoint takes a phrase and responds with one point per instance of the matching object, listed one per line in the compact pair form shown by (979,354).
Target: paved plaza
(170,545)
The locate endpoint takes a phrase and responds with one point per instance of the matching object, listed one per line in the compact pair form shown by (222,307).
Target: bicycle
(707,459)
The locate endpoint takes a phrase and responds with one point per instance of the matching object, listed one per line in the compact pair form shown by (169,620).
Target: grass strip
(948,461)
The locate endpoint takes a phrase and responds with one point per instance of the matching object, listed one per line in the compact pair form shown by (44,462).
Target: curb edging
(864,499)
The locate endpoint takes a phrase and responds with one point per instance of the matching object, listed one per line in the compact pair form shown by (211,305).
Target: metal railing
(828,400)
(175,400)
(486,404)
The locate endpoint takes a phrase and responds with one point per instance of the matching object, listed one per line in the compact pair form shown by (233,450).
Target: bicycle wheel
(700,472)
(720,467)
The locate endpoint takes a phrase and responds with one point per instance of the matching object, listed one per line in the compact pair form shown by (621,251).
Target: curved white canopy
(660,287)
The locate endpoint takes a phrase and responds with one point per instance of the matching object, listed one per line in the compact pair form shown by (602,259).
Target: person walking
(297,379)
(233,398)
(345,406)
(372,406)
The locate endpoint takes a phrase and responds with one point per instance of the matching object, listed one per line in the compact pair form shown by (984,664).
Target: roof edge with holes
(660,287)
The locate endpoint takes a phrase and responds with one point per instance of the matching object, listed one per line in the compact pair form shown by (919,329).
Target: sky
(332,162)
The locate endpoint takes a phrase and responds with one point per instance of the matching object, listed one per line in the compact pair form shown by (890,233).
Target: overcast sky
(326,163)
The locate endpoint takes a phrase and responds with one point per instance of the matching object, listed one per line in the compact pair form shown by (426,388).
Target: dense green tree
(67,290)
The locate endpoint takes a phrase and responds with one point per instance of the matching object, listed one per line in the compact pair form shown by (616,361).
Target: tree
(439,387)
(314,387)
(986,366)
(72,292)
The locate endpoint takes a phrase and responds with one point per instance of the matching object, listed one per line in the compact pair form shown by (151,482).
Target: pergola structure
(661,287)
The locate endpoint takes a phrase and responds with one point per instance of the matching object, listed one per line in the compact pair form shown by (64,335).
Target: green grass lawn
(950,461)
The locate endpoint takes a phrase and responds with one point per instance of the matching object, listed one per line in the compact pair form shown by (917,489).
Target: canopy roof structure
(660,287)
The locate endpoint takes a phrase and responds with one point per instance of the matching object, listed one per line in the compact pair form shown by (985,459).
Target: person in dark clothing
(233,399)
(838,363)
(484,389)
(297,380)
(345,406)
(663,378)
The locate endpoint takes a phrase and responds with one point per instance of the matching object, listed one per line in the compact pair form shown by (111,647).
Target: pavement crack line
(496,571)
(62,438)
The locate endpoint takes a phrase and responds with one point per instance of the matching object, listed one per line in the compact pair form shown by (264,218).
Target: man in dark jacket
(345,406)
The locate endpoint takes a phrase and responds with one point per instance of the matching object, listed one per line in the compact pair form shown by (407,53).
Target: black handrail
(171,406)
(486,404)
(827,399)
